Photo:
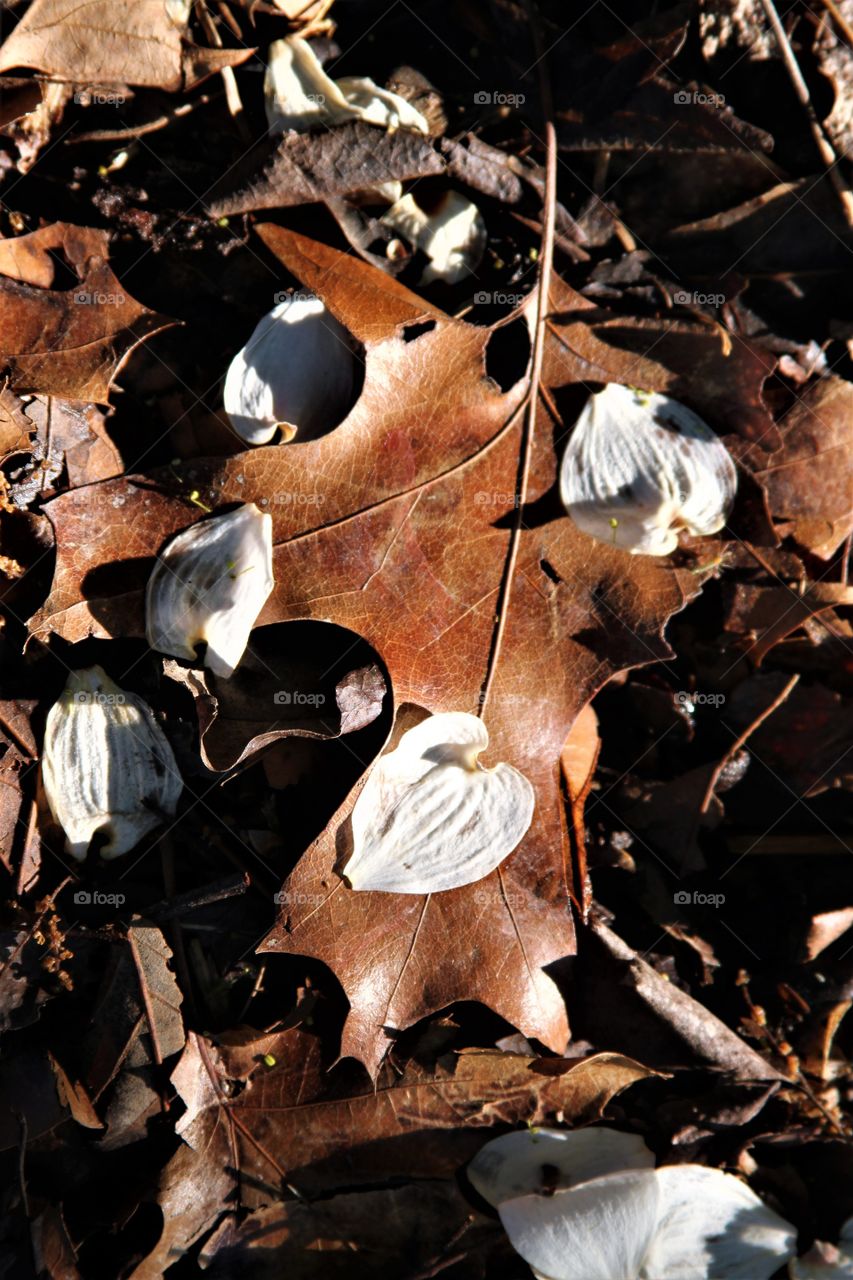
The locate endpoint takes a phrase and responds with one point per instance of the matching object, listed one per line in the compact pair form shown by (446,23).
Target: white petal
(826,1261)
(452,235)
(430,817)
(299,94)
(711,1226)
(641,466)
(529,1160)
(209,584)
(600,1230)
(380,106)
(107,765)
(298,368)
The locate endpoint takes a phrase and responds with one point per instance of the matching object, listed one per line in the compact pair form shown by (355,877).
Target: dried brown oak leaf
(809,481)
(112,42)
(267,1110)
(398,526)
(68,343)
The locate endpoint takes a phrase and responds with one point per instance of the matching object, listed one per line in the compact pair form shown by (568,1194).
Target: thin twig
(739,742)
(841,22)
(229,80)
(827,154)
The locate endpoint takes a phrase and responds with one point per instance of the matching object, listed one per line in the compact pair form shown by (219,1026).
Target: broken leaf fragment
(640,467)
(587,1205)
(452,235)
(299,94)
(430,817)
(209,585)
(107,765)
(297,372)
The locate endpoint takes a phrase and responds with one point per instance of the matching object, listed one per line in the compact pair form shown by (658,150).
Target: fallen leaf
(276,692)
(626,1002)
(69,343)
(809,480)
(807,742)
(695,363)
(825,929)
(307,167)
(397,527)
(392,1232)
(266,1110)
(106,42)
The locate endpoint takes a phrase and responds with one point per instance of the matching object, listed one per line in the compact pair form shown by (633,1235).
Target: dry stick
(827,154)
(229,80)
(149,126)
(841,22)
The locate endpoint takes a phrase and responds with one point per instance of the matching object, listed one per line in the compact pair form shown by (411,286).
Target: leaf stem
(546,258)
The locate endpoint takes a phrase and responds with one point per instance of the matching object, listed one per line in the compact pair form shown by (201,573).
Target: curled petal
(297,371)
(299,94)
(209,585)
(430,817)
(640,467)
(452,235)
(534,1160)
(107,765)
(710,1224)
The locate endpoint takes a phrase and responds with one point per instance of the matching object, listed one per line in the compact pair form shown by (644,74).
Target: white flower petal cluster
(297,372)
(640,467)
(430,817)
(299,94)
(589,1205)
(107,765)
(452,235)
(209,584)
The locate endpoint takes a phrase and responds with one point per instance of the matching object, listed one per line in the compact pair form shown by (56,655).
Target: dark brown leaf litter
(667,949)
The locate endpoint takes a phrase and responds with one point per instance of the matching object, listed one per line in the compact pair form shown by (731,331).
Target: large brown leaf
(70,343)
(406,542)
(263,1114)
(109,42)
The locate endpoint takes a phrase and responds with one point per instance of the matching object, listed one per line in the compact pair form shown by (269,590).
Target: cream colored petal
(299,94)
(298,367)
(453,235)
(430,818)
(639,467)
(600,1230)
(209,584)
(107,765)
(531,1160)
(711,1226)
(376,105)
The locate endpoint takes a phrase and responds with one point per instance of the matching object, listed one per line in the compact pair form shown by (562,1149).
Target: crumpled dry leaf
(310,167)
(69,343)
(393,1232)
(246,1117)
(275,693)
(390,531)
(111,42)
(809,480)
